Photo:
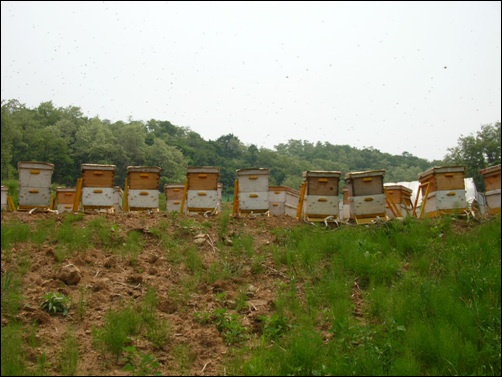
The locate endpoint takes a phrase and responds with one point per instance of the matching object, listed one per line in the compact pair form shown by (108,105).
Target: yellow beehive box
(321,182)
(97,175)
(398,201)
(174,196)
(321,195)
(98,191)
(65,198)
(443,190)
(491,177)
(363,183)
(346,204)
(202,189)
(442,178)
(203,177)
(366,195)
(143,177)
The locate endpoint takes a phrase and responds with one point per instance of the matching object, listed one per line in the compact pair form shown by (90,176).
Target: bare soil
(108,281)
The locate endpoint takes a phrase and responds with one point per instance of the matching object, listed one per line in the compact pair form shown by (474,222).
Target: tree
(476,152)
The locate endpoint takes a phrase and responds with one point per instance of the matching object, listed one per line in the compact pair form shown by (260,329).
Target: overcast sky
(395,76)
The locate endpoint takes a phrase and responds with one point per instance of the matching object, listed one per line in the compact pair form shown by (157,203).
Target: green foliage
(13,363)
(65,137)
(141,364)
(69,355)
(478,151)
(119,327)
(229,325)
(11,296)
(55,303)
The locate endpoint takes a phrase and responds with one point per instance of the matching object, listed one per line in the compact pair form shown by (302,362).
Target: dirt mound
(99,279)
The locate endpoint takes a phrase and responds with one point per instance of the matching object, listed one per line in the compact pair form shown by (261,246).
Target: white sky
(395,76)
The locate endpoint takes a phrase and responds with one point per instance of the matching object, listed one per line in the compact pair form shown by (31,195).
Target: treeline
(66,138)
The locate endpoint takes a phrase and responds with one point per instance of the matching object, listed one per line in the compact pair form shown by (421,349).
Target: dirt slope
(108,280)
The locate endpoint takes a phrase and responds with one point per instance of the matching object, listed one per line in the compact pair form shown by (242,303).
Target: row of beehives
(365,196)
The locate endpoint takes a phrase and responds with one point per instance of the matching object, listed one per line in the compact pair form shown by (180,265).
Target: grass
(428,294)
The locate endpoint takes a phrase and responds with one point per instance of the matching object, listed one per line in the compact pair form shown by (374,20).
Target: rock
(70,274)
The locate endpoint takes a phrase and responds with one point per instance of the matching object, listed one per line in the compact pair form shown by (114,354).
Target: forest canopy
(67,139)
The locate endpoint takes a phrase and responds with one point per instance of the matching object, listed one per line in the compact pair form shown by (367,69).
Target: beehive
(491,176)
(98,191)
(5,190)
(220,196)
(117,198)
(443,191)
(174,196)
(202,189)
(277,200)
(143,187)
(282,200)
(346,204)
(321,195)
(291,205)
(34,184)
(398,201)
(65,198)
(366,195)
(252,197)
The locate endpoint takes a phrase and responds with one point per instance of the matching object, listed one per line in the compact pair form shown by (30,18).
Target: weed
(69,355)
(55,303)
(141,364)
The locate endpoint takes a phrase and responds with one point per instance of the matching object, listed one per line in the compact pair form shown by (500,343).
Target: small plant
(54,303)
(141,364)
(202,317)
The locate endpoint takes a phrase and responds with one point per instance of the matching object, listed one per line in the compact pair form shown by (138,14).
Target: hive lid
(398,187)
(441,169)
(98,167)
(35,165)
(253,171)
(490,170)
(66,189)
(144,169)
(361,174)
(203,169)
(322,173)
(174,185)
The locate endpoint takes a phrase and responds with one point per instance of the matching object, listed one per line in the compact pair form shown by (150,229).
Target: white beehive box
(174,196)
(491,176)
(34,184)
(366,195)
(253,190)
(443,190)
(65,198)
(5,191)
(277,200)
(291,204)
(98,191)
(117,198)
(202,189)
(321,195)
(143,187)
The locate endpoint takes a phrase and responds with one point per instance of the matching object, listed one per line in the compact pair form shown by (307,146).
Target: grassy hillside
(177,295)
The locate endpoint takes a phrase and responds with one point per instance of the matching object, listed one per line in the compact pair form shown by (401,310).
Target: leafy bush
(54,303)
